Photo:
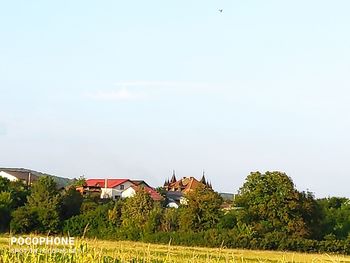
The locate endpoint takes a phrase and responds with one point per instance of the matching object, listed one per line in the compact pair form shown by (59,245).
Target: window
(121,187)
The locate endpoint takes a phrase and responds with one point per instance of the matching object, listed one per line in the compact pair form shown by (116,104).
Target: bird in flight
(220,10)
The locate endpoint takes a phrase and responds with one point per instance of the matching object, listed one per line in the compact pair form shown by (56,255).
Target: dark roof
(140,182)
(174,195)
(22,174)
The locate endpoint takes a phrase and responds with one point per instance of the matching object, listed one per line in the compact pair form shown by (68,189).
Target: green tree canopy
(71,202)
(136,211)
(12,195)
(77,182)
(335,217)
(43,203)
(202,210)
(270,203)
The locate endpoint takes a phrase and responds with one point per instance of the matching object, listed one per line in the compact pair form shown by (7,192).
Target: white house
(8,176)
(26,176)
(110,188)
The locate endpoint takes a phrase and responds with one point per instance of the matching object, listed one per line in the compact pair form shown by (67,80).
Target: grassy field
(123,251)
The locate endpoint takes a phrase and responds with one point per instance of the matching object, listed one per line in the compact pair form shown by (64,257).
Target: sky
(136,89)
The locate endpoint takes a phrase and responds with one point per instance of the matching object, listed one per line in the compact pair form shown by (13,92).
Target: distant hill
(227,196)
(60,181)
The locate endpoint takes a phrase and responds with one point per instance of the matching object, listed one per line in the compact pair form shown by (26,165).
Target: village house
(185,184)
(108,188)
(28,176)
(131,191)
(174,199)
(176,189)
(114,188)
(19,174)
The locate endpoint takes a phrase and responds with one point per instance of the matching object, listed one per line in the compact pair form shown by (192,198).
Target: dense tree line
(267,213)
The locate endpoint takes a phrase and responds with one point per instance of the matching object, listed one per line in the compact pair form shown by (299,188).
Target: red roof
(153,193)
(111,183)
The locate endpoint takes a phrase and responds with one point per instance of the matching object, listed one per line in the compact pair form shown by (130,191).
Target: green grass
(124,251)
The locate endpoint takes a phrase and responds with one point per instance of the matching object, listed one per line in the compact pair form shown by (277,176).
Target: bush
(23,220)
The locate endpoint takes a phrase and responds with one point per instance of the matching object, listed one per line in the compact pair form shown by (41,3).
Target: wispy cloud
(122,94)
(168,85)
(140,90)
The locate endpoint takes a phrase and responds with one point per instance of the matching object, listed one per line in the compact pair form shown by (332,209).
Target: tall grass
(79,253)
(121,251)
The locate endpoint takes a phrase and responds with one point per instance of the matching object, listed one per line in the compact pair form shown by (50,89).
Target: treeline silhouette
(267,213)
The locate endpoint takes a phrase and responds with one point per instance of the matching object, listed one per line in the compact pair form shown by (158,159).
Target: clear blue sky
(138,88)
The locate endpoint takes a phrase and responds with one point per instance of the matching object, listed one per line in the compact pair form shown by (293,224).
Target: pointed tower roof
(173,178)
(203,181)
(166,182)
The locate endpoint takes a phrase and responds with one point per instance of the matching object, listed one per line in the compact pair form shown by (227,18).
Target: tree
(93,223)
(153,222)
(169,221)
(202,211)
(228,220)
(19,193)
(335,217)
(77,182)
(270,203)
(136,211)
(12,195)
(4,184)
(23,220)
(114,214)
(43,202)
(70,203)
(5,209)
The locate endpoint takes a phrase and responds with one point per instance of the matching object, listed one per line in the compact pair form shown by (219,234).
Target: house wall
(116,191)
(172,205)
(8,176)
(107,193)
(130,192)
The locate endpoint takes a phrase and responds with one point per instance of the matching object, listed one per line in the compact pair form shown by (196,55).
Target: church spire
(209,185)
(203,181)
(166,183)
(173,178)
